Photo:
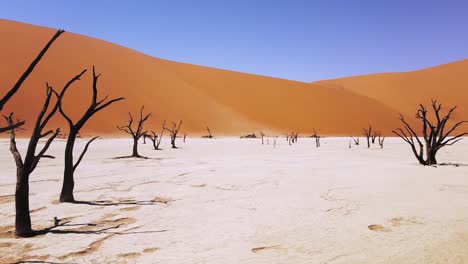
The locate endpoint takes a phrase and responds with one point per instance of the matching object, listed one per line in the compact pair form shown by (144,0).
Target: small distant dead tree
(274,141)
(268,141)
(381,140)
(138,132)
(66,195)
(435,134)
(145,135)
(356,140)
(23,77)
(262,135)
(25,167)
(349,146)
(209,134)
(156,139)
(294,136)
(185,136)
(374,137)
(367,132)
(317,139)
(173,132)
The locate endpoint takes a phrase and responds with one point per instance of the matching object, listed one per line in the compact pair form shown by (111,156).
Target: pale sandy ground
(236,201)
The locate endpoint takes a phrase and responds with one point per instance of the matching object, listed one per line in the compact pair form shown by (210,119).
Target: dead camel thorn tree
(381,139)
(206,136)
(137,133)
(22,78)
(24,167)
(173,132)
(317,139)
(435,134)
(367,132)
(156,139)
(374,137)
(356,140)
(94,107)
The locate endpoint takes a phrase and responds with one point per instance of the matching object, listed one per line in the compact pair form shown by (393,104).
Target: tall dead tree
(317,139)
(23,78)
(25,167)
(367,132)
(434,133)
(66,195)
(173,132)
(135,133)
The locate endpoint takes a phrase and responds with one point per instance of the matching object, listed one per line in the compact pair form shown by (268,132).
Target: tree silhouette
(24,167)
(435,134)
(135,133)
(173,131)
(94,107)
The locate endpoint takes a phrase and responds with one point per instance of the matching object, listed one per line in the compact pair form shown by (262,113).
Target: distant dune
(405,91)
(230,103)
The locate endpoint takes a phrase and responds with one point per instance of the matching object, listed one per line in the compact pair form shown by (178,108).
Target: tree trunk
(431,156)
(135,148)
(173,142)
(23,219)
(66,196)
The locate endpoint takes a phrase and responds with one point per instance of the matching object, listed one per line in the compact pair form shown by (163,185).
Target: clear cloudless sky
(302,40)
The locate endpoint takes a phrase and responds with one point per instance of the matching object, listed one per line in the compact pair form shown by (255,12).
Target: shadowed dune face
(231,103)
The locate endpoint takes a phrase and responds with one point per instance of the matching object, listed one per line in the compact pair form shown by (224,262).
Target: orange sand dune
(231,103)
(405,91)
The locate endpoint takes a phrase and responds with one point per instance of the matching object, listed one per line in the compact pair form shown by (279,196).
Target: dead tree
(356,140)
(156,139)
(173,132)
(209,134)
(294,136)
(145,135)
(66,195)
(317,139)
(262,135)
(434,133)
(137,133)
(349,146)
(381,140)
(23,77)
(24,167)
(374,137)
(274,141)
(185,136)
(367,132)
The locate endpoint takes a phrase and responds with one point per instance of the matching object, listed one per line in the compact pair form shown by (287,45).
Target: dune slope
(229,102)
(405,91)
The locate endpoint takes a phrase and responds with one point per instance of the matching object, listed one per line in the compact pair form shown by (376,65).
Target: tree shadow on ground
(111,203)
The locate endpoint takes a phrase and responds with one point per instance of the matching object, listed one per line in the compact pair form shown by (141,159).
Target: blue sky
(296,39)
